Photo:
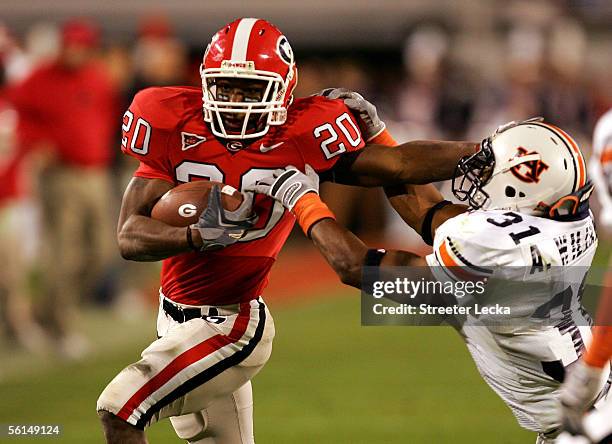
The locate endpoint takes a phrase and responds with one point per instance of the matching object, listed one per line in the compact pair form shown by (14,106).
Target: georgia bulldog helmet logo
(284,50)
(528,171)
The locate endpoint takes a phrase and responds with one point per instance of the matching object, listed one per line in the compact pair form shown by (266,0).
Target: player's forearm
(344,251)
(412,202)
(144,239)
(416,162)
(426,161)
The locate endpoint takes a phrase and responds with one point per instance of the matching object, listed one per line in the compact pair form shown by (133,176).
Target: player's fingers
(214,198)
(260,188)
(324,92)
(279,172)
(355,104)
(341,93)
(310,171)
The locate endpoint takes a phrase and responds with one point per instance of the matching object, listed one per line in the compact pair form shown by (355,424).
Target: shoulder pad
(471,239)
(162,107)
(324,130)
(148,123)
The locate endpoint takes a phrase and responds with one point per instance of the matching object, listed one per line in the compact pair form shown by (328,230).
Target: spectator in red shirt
(68,107)
(16,320)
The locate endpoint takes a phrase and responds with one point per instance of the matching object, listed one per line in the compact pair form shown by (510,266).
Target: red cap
(80,32)
(155,26)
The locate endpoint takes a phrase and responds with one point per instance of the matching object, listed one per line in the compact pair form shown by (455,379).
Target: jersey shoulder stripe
(463,260)
(456,265)
(602,138)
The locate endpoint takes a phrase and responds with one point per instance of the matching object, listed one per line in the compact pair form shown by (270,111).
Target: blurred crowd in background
(64,88)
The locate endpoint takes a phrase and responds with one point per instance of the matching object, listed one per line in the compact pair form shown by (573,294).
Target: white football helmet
(531,167)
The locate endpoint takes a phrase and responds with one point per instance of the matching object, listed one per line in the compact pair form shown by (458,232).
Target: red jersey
(75,110)
(11,184)
(164,130)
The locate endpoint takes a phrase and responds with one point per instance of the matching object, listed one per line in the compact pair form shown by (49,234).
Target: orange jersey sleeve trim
(606,155)
(309,210)
(384,138)
(600,350)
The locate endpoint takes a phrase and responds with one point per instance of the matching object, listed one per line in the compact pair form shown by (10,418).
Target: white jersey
(496,238)
(600,166)
(524,363)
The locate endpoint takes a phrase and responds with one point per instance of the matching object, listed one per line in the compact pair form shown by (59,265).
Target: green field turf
(329,381)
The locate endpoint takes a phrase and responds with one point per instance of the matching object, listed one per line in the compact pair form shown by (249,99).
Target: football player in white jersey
(577,391)
(600,167)
(527,191)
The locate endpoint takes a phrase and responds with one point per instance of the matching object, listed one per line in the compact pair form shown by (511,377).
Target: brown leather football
(182,205)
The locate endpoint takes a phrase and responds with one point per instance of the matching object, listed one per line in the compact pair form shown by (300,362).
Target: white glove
(287,185)
(581,387)
(372,126)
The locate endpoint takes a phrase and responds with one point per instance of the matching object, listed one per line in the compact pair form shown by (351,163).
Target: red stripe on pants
(185,359)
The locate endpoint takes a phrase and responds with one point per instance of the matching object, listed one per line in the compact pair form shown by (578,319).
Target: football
(182,205)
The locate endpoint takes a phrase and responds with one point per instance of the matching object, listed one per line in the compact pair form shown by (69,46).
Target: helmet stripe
(576,151)
(241,39)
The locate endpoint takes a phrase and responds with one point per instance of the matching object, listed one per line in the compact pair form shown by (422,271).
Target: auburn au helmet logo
(528,171)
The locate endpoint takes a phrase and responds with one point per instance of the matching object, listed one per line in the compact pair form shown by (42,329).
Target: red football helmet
(251,49)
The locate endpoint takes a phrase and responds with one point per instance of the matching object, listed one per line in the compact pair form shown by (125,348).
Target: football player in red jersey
(215,332)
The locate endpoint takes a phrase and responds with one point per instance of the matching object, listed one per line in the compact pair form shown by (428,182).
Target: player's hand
(371,124)
(578,392)
(288,185)
(220,228)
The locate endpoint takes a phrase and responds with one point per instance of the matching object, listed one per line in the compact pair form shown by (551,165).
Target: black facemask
(472,174)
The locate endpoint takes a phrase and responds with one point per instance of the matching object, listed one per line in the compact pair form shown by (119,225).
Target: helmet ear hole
(521,194)
(510,191)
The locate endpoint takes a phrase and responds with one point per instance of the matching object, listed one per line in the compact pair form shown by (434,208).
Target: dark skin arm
(415,162)
(412,202)
(345,252)
(141,238)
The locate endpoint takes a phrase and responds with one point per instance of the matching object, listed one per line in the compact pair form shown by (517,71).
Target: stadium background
(436,69)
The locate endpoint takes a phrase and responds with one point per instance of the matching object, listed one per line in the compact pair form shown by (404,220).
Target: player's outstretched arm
(382,162)
(344,251)
(421,206)
(140,237)
(414,162)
